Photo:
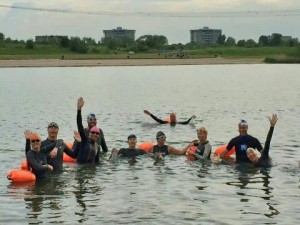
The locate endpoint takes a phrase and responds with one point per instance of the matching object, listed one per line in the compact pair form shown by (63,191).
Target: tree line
(147,43)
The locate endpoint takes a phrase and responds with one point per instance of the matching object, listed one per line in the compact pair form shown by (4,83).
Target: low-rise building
(49,38)
(205,35)
(119,32)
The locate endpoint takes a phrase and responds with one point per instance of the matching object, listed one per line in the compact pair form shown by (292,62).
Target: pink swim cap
(95,129)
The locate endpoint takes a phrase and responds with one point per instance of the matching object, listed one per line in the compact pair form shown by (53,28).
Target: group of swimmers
(46,156)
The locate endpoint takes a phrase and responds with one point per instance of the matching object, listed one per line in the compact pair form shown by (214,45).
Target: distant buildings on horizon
(199,36)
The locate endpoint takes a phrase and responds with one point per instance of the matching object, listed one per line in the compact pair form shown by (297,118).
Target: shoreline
(12,63)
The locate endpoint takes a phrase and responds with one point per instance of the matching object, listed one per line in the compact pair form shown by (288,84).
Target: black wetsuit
(242,143)
(163,149)
(86,151)
(164,121)
(264,160)
(37,161)
(201,149)
(129,152)
(100,140)
(57,162)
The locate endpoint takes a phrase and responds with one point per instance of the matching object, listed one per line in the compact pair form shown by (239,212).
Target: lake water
(178,191)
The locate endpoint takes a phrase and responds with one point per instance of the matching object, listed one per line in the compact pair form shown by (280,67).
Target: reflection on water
(142,190)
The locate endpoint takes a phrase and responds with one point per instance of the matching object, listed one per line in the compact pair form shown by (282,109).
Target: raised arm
(27,134)
(80,127)
(188,121)
(155,118)
(265,152)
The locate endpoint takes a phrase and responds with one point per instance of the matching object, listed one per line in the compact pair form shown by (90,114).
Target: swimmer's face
(243,129)
(161,140)
(173,117)
(132,142)
(93,135)
(202,134)
(53,132)
(92,122)
(252,156)
(36,144)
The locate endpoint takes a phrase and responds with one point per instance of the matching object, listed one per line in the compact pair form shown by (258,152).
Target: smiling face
(93,135)
(243,129)
(35,141)
(252,155)
(132,142)
(91,122)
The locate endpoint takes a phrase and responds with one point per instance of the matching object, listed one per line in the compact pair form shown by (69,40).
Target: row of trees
(148,42)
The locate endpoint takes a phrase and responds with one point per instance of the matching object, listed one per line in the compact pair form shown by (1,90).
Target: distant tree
(64,42)
(110,43)
(77,45)
(8,40)
(89,41)
(293,42)
(230,41)
(276,40)
(250,43)
(241,43)
(2,37)
(29,44)
(221,39)
(152,41)
(263,40)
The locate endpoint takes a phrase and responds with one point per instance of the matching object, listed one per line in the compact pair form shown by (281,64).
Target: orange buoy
(18,175)
(190,153)
(220,149)
(24,165)
(67,158)
(168,119)
(146,146)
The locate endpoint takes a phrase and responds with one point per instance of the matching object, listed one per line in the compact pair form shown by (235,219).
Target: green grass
(48,51)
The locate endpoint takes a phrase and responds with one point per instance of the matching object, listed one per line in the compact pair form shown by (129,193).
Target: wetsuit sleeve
(103,142)
(158,120)
(80,126)
(122,152)
(48,148)
(27,146)
(258,145)
(185,122)
(33,163)
(141,152)
(206,152)
(230,145)
(72,153)
(265,151)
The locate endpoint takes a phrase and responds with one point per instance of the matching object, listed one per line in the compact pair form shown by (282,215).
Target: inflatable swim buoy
(168,119)
(146,146)
(220,149)
(24,165)
(190,153)
(18,175)
(67,158)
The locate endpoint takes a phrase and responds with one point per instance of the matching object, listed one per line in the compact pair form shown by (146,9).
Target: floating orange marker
(220,149)
(146,146)
(67,158)
(18,175)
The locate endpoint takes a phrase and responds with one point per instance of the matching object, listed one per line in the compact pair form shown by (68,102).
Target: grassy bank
(47,51)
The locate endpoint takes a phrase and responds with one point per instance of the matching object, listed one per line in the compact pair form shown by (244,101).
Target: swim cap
(243,123)
(53,124)
(131,136)
(95,129)
(160,134)
(35,136)
(91,116)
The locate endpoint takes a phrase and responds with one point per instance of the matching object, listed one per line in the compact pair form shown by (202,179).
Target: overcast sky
(171,18)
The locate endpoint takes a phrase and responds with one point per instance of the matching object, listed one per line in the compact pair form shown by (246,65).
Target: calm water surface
(178,191)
